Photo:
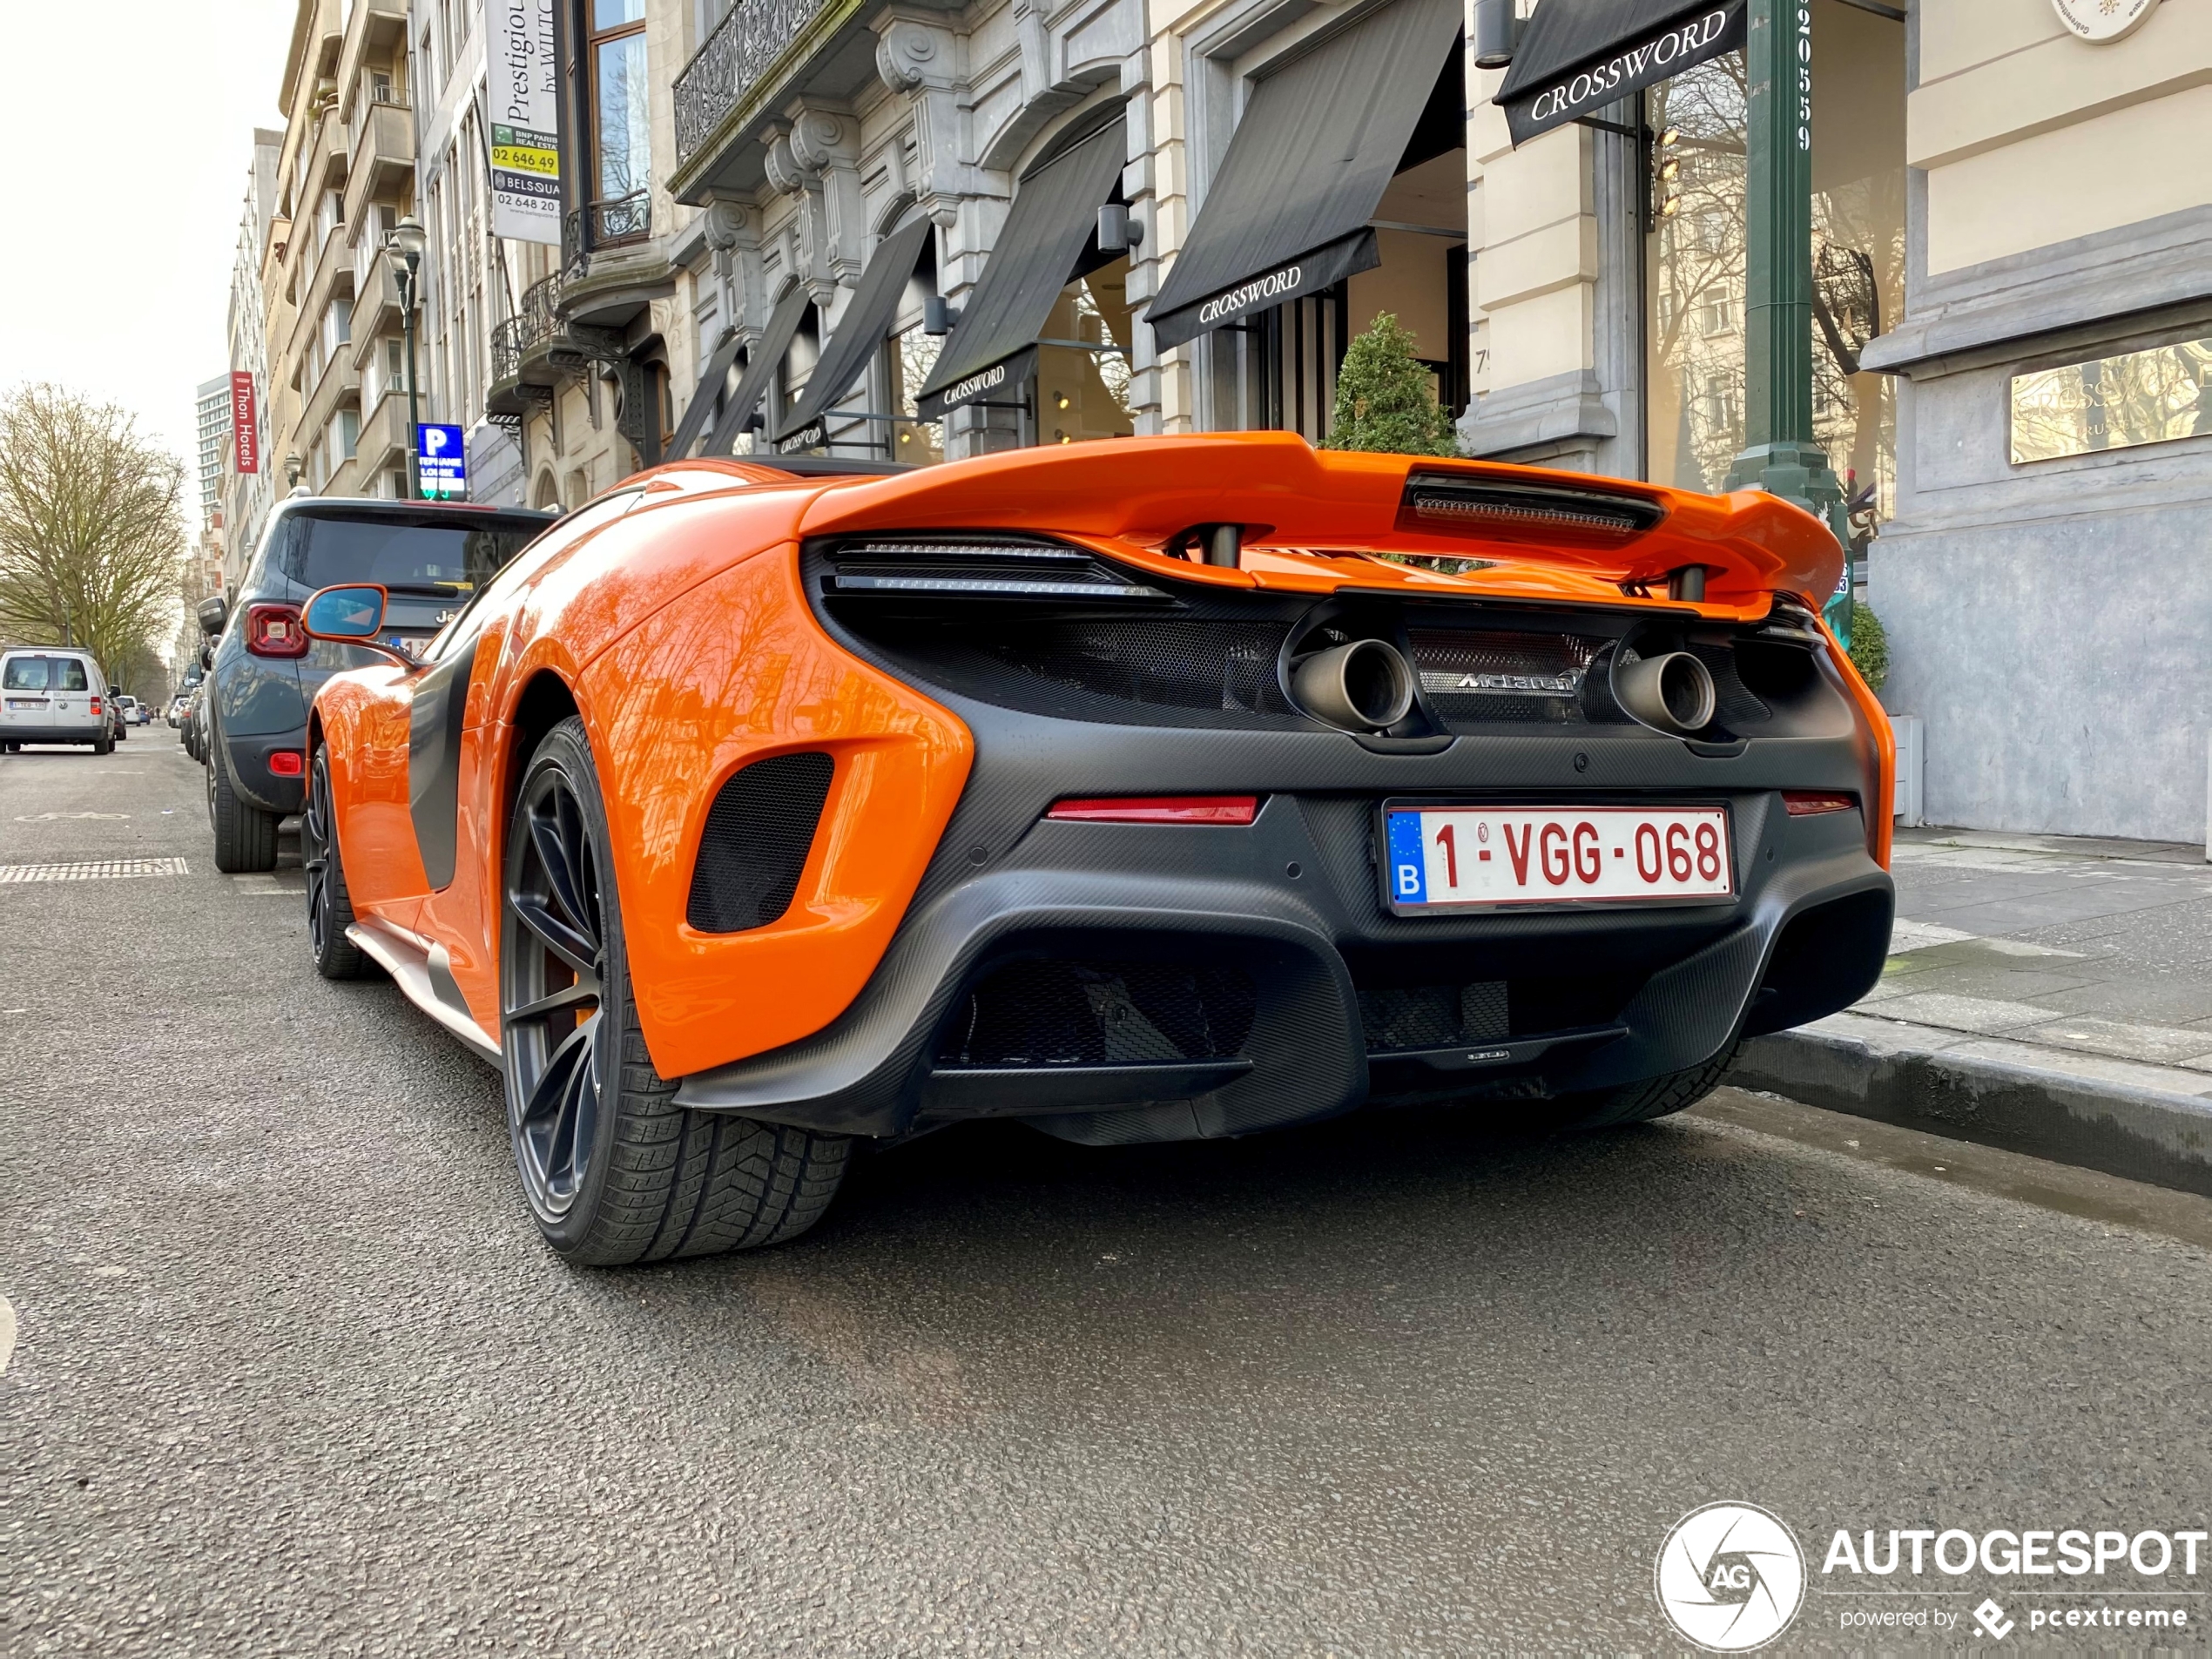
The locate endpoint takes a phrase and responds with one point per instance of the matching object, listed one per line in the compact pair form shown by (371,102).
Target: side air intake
(758,833)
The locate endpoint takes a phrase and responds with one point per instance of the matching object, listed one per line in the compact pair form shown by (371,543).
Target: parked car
(1161,789)
(135,712)
(176,711)
(263,672)
(120,725)
(54,694)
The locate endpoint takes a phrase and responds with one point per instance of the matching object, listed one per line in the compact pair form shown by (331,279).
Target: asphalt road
(291,1371)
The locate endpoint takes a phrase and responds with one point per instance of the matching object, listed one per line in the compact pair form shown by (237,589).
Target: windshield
(440,557)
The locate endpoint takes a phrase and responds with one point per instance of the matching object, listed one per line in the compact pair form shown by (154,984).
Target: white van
(53,694)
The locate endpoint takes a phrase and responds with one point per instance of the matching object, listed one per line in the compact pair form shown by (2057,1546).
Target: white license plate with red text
(1503,855)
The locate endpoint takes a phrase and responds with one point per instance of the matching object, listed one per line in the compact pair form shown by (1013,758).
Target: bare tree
(90,533)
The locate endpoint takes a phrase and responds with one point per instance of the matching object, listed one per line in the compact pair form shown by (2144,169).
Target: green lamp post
(1780,455)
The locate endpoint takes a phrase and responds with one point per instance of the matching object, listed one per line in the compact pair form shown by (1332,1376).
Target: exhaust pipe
(1363,687)
(1672,692)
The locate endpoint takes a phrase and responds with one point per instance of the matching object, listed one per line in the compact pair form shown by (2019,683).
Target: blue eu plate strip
(1408,869)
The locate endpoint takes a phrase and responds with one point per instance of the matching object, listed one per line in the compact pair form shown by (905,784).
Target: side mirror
(212,614)
(350,614)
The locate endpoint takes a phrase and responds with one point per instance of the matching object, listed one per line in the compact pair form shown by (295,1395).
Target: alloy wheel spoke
(543,1110)
(585,992)
(554,856)
(580,954)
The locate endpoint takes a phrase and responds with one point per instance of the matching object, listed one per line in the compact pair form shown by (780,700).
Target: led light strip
(988,585)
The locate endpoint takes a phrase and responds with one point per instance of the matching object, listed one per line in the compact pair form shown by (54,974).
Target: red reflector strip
(1159,809)
(1804,805)
(286,763)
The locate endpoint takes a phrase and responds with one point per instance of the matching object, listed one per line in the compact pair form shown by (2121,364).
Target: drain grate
(102,870)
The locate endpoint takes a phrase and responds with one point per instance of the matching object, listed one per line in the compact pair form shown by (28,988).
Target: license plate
(1444,858)
(21,704)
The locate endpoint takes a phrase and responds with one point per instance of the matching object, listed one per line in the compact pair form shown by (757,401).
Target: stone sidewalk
(2047,994)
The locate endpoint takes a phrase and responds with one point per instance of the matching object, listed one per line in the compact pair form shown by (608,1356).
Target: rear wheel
(102,745)
(1659,1097)
(613,1170)
(245,837)
(330,906)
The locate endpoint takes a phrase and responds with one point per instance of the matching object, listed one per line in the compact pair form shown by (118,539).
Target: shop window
(1278,369)
(1083,360)
(912,354)
(1695,259)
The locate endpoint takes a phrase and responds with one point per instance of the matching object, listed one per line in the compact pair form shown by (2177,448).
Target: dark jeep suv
(429,556)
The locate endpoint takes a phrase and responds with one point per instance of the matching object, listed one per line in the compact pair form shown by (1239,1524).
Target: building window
(349,433)
(621,120)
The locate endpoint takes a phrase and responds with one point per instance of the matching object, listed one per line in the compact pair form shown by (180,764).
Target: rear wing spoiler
(1151,495)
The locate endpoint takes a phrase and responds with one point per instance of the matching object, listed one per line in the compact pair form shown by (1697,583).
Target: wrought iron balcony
(605,224)
(743,46)
(533,321)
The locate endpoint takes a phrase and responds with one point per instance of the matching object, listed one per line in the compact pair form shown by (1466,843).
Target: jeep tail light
(274,630)
(287,763)
(1159,809)
(1806,804)
(95,705)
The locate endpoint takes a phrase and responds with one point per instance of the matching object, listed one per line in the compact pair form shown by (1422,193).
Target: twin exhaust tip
(1367,685)
(1673,692)
(1364,686)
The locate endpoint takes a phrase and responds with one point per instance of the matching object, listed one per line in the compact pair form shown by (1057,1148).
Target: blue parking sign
(441,462)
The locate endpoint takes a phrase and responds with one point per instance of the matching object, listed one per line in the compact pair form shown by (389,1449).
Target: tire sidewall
(567,748)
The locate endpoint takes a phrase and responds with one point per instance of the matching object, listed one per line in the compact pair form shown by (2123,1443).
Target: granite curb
(2136,1133)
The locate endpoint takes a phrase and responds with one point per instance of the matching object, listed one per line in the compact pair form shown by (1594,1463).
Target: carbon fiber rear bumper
(1295,902)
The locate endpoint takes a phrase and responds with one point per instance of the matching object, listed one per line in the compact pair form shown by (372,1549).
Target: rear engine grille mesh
(1100,1014)
(755,841)
(1107,667)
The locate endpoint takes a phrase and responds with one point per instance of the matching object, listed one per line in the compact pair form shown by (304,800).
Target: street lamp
(404,249)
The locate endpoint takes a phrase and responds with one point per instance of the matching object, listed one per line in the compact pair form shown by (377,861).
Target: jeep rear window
(25,674)
(419,557)
(66,674)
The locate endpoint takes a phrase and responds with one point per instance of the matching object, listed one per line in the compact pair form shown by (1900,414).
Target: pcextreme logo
(1729,1577)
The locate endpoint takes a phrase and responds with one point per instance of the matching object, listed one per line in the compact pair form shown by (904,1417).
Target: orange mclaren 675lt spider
(1143,790)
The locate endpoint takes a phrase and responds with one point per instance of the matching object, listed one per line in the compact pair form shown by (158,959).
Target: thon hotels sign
(1586,87)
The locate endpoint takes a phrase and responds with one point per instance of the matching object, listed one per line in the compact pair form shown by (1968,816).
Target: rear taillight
(287,763)
(1806,804)
(95,705)
(274,630)
(1159,809)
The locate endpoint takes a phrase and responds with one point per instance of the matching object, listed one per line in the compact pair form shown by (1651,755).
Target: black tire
(330,905)
(613,1170)
(245,837)
(102,745)
(1659,1097)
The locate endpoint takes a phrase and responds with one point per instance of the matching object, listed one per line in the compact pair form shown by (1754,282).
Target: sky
(132,127)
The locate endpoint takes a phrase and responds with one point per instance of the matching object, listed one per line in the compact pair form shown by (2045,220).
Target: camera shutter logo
(1729,1577)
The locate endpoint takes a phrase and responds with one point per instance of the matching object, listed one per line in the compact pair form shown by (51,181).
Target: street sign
(441,462)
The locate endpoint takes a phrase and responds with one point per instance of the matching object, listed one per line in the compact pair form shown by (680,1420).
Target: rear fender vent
(981,567)
(755,844)
(1445,503)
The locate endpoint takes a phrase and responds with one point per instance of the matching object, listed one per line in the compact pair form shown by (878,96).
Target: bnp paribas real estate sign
(524,95)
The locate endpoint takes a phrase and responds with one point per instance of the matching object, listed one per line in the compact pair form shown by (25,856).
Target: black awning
(860,333)
(1581,55)
(760,369)
(712,381)
(1288,213)
(1053,218)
